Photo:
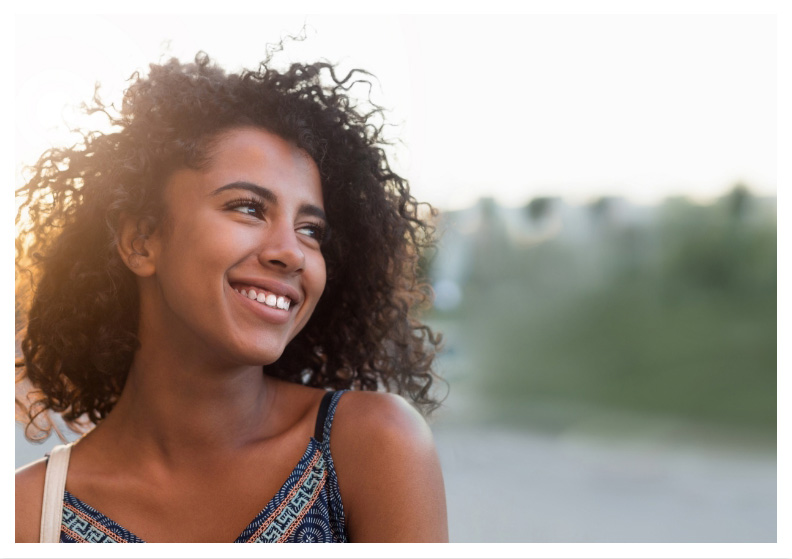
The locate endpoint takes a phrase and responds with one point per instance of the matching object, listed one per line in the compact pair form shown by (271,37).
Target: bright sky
(512,106)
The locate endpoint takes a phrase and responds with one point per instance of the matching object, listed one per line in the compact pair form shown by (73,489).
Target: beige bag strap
(54,486)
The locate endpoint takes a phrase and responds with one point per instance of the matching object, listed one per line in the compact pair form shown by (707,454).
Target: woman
(230,222)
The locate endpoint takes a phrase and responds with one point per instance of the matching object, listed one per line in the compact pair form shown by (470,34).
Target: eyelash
(320,231)
(248,202)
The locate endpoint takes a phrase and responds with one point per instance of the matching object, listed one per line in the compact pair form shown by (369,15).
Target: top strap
(324,419)
(54,487)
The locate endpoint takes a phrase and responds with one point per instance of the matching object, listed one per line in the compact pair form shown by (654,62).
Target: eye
(248,206)
(315,231)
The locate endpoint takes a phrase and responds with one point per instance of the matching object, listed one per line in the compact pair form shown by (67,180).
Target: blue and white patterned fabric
(306,509)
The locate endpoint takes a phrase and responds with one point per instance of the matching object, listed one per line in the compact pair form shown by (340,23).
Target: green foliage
(676,316)
(539,207)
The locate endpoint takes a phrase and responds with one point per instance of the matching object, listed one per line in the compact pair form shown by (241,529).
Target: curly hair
(79,301)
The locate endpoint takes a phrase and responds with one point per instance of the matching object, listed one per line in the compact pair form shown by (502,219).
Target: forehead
(255,144)
(255,156)
(254,150)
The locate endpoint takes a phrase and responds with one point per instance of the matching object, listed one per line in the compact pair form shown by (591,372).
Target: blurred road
(507,486)
(567,472)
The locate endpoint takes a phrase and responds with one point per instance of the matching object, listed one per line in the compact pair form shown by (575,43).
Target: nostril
(283,254)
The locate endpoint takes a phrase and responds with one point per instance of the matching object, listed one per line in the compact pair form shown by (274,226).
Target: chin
(263,357)
(261,349)
(260,359)
(251,355)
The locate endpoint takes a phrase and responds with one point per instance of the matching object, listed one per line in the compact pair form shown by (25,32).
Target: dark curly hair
(80,302)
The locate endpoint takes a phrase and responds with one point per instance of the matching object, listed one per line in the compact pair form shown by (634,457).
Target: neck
(179,407)
(181,398)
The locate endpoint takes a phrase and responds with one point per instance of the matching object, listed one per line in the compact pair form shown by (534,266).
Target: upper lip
(272,286)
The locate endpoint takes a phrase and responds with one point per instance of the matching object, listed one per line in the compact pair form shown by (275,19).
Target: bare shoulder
(380,422)
(28,495)
(388,471)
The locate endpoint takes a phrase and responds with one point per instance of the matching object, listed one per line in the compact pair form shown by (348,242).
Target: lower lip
(275,316)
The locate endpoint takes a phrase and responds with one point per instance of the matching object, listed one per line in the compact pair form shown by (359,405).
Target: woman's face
(238,263)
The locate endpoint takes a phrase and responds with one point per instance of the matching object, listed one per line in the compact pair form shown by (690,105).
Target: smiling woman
(229,234)
(219,288)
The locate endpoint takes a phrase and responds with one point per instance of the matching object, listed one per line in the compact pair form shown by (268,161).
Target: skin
(197,422)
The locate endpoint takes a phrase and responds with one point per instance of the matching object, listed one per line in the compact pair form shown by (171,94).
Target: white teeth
(269,299)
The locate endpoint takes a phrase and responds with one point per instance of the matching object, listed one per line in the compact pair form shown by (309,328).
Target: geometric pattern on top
(306,509)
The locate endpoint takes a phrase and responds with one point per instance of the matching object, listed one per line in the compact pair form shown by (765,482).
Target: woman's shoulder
(387,467)
(28,496)
(380,419)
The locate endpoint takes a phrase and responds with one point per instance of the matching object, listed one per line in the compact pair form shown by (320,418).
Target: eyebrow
(270,196)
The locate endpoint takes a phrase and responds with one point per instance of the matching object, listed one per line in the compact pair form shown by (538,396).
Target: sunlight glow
(576,106)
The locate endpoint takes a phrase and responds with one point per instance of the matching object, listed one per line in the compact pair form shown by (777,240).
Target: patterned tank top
(307,508)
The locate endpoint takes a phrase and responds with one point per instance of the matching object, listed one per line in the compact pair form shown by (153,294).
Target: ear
(138,244)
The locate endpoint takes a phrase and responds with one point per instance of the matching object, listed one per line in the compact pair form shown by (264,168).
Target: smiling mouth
(264,297)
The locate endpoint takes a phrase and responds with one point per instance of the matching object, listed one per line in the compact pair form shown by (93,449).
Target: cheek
(321,276)
(201,239)
(315,281)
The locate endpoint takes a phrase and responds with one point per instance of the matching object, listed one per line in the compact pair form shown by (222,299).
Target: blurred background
(605,276)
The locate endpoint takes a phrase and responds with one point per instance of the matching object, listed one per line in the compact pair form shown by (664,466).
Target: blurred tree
(491,246)
(738,200)
(684,323)
(539,207)
(602,210)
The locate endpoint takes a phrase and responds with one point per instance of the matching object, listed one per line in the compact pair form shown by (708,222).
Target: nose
(281,249)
